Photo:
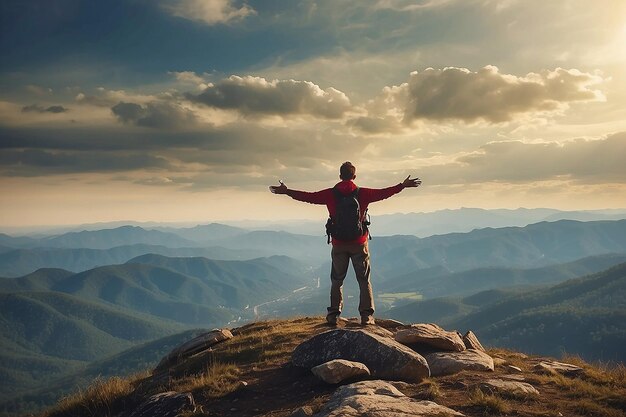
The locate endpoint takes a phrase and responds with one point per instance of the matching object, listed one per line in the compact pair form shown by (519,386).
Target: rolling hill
(536,245)
(18,262)
(46,334)
(583,315)
(434,282)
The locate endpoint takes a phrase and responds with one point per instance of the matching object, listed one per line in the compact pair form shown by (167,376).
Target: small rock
(389,324)
(512,368)
(402,386)
(242,384)
(447,363)
(431,335)
(338,370)
(471,341)
(165,404)
(515,388)
(192,347)
(499,361)
(560,367)
(304,411)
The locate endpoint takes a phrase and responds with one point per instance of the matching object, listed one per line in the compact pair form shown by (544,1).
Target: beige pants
(341,256)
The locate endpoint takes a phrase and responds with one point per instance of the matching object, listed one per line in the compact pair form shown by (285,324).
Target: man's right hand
(278,189)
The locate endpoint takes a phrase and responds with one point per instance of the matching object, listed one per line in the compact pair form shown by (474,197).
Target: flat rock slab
(448,363)
(196,345)
(511,388)
(378,399)
(384,357)
(471,341)
(389,324)
(559,367)
(432,335)
(338,370)
(165,404)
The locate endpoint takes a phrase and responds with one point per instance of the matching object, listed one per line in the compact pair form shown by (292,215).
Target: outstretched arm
(318,197)
(371,195)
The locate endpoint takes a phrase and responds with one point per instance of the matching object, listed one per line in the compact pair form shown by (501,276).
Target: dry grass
(264,342)
(428,389)
(217,381)
(102,398)
(487,404)
(587,407)
(511,357)
(600,391)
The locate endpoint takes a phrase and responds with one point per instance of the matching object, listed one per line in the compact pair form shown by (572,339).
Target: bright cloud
(485,95)
(211,12)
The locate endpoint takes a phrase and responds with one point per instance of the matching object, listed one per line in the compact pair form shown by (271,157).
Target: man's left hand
(411,182)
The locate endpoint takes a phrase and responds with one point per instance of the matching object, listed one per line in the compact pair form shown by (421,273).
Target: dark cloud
(159,115)
(374,124)
(257,96)
(41,109)
(35,162)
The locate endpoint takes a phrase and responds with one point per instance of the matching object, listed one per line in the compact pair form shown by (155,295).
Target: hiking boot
(367,321)
(331,319)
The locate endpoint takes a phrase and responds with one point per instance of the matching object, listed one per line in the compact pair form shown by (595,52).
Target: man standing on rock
(347,225)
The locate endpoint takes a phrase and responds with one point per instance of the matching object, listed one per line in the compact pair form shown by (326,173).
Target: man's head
(347,171)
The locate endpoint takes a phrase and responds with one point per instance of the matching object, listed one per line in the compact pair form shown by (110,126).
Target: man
(355,249)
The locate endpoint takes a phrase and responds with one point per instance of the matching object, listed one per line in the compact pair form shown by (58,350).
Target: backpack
(347,223)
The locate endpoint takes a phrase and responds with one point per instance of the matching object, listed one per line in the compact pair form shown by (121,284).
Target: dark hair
(347,171)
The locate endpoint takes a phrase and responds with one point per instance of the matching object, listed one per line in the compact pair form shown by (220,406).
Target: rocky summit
(300,367)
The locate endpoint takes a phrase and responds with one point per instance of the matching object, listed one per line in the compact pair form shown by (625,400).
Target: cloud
(40,109)
(588,161)
(36,162)
(459,94)
(159,115)
(210,12)
(253,96)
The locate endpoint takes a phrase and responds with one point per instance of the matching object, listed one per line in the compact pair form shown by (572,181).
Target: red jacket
(366,196)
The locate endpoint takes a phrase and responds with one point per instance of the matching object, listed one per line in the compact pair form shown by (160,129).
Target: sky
(187,110)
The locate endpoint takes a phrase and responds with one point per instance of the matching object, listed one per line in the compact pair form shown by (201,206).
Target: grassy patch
(428,389)
(102,398)
(487,404)
(217,381)
(264,342)
(587,407)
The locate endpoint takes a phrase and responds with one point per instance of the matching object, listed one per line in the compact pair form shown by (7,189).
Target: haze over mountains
(80,302)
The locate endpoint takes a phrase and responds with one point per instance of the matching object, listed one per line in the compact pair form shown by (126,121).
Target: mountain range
(69,312)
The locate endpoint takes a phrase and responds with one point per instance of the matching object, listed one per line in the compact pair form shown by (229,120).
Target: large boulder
(196,345)
(447,363)
(378,399)
(384,357)
(338,370)
(165,404)
(432,335)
